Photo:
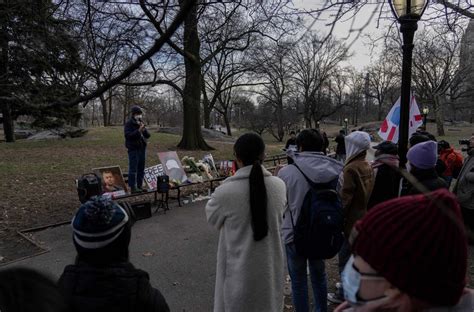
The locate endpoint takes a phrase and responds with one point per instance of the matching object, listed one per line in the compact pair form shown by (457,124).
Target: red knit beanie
(418,244)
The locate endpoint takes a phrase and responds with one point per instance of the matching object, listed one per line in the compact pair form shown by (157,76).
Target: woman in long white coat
(247,209)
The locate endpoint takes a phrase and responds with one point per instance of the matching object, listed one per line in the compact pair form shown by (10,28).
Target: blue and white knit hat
(98,222)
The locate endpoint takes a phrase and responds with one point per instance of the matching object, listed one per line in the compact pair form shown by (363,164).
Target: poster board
(151,175)
(112,180)
(172,166)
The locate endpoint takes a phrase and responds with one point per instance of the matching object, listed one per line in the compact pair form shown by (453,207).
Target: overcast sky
(360,46)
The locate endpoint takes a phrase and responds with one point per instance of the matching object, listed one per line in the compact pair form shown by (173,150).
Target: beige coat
(250,274)
(357,185)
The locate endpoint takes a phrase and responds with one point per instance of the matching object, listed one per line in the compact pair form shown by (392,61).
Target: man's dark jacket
(134,140)
(386,186)
(118,288)
(341,145)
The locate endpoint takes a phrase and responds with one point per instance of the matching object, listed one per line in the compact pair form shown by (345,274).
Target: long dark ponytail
(250,149)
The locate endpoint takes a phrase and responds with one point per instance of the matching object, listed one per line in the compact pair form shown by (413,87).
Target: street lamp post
(426,111)
(408,13)
(345,124)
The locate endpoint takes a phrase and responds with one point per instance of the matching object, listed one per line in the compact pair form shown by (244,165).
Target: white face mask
(138,117)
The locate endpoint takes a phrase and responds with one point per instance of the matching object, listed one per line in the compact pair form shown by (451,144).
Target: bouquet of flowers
(189,161)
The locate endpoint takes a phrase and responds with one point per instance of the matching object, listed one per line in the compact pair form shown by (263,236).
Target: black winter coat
(341,145)
(386,187)
(118,288)
(428,178)
(135,140)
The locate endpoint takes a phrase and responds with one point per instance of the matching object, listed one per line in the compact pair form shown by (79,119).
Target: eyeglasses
(367,275)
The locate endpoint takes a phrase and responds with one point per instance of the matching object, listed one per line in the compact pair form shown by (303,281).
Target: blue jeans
(136,167)
(343,256)
(299,281)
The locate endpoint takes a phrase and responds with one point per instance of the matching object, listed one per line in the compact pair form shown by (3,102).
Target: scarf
(385,159)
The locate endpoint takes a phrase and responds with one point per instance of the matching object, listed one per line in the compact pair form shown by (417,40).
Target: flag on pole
(389,128)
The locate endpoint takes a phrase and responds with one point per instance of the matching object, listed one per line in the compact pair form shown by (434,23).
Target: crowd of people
(404,245)
(399,235)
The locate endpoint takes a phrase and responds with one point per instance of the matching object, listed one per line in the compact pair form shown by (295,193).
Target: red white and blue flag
(389,128)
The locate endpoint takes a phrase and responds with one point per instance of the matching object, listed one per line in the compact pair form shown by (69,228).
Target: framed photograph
(172,166)
(112,180)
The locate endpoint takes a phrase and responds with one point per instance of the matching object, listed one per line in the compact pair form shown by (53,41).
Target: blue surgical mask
(351,279)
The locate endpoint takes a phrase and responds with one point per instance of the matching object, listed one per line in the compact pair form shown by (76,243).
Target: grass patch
(38,176)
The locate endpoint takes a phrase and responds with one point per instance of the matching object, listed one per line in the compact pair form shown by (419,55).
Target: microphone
(141,121)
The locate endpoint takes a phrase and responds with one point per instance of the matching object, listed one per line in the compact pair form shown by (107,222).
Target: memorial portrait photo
(112,179)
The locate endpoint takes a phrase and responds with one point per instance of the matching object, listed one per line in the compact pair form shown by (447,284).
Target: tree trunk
(438,106)
(227,123)
(103,103)
(280,125)
(206,105)
(8,123)
(307,114)
(379,113)
(356,119)
(6,109)
(109,117)
(125,105)
(93,114)
(207,115)
(192,136)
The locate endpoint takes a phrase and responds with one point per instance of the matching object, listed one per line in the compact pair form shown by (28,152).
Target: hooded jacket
(319,169)
(357,180)
(249,274)
(119,288)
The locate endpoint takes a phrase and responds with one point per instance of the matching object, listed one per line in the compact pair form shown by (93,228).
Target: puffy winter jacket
(119,288)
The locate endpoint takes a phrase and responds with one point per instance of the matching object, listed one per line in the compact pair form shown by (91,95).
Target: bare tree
(338,90)
(257,117)
(223,74)
(383,77)
(356,94)
(436,70)
(314,60)
(271,65)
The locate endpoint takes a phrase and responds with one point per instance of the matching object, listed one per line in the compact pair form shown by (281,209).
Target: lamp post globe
(407,13)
